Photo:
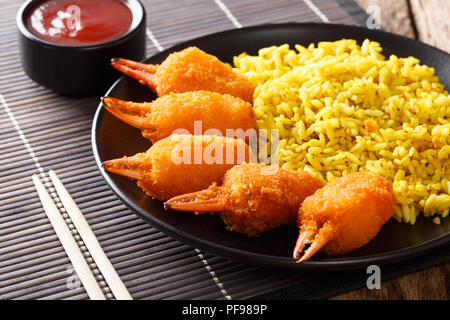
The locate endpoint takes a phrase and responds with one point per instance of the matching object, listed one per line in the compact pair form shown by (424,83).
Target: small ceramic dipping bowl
(79,70)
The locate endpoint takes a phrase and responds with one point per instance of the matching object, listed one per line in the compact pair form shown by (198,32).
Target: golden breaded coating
(188,70)
(160,118)
(193,69)
(345,214)
(181,164)
(253,198)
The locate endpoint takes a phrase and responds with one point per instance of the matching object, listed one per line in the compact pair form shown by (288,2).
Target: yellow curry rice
(340,108)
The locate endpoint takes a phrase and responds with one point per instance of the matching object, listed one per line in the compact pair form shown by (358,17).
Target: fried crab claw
(211,111)
(188,70)
(127,166)
(129,112)
(344,215)
(169,169)
(201,201)
(144,73)
(253,198)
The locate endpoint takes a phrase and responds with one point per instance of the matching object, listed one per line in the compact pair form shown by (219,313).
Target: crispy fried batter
(345,214)
(253,198)
(160,118)
(188,70)
(181,164)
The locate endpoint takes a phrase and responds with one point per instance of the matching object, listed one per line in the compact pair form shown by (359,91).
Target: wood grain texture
(429,284)
(432,21)
(394,15)
(426,20)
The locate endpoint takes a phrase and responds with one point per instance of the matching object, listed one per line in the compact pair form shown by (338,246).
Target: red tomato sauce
(79,22)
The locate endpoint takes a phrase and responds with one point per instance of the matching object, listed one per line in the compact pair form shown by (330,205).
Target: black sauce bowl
(79,70)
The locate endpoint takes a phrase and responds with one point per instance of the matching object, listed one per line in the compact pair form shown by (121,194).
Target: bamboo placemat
(41,130)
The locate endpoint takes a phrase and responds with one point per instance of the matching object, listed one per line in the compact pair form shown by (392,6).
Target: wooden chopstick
(69,244)
(104,265)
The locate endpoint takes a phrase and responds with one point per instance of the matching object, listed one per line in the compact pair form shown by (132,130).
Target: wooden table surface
(428,21)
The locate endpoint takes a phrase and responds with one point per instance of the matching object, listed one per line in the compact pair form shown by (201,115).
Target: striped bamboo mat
(41,130)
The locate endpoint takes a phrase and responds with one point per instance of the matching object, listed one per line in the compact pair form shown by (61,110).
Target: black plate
(112,138)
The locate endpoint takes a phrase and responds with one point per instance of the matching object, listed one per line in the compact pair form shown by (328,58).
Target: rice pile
(340,108)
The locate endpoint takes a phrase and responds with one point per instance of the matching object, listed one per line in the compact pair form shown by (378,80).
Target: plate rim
(242,255)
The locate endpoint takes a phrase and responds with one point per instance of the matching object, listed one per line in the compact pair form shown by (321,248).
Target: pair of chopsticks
(69,243)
